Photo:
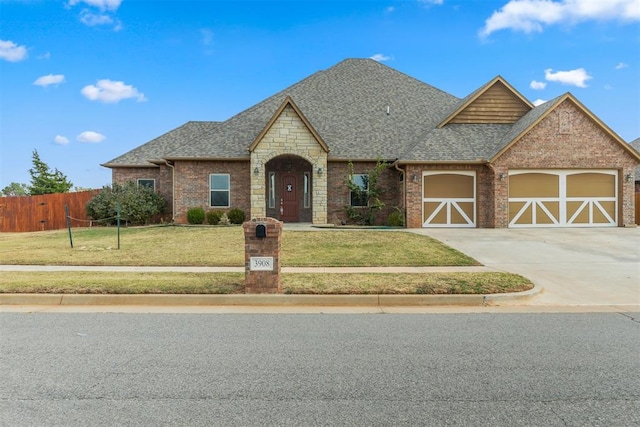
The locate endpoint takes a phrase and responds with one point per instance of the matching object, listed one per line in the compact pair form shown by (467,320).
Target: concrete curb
(263,300)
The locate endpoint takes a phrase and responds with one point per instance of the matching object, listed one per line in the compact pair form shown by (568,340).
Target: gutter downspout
(173,190)
(404,189)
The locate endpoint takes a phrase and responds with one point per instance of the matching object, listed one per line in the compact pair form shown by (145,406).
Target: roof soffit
(482,91)
(288,101)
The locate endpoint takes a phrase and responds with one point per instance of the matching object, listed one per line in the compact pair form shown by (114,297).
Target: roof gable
(497,102)
(288,102)
(534,117)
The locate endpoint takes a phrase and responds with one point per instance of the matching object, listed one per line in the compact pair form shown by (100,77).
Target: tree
(366,194)
(138,203)
(15,189)
(45,181)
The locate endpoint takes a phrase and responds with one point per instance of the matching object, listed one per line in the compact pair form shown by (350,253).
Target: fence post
(66,215)
(118,222)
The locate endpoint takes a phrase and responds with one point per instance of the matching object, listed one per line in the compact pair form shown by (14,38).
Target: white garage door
(563,198)
(448,199)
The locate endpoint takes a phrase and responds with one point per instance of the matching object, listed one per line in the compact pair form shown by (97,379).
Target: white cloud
(61,140)
(380,57)
(390,9)
(430,2)
(101,4)
(91,19)
(537,85)
(45,55)
(50,79)
(91,136)
(11,52)
(539,102)
(608,87)
(577,77)
(621,65)
(532,15)
(111,91)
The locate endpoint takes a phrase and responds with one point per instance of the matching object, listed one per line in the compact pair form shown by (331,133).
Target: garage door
(449,199)
(552,198)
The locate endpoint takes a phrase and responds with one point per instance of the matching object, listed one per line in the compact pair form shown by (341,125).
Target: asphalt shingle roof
(156,149)
(362,110)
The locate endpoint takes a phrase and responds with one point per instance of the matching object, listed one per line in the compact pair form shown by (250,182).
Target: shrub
(224,219)
(213,217)
(195,215)
(236,216)
(396,218)
(138,204)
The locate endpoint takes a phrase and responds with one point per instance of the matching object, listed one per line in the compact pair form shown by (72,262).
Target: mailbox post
(262,243)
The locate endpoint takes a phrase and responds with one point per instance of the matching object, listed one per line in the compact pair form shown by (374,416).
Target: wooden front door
(289,198)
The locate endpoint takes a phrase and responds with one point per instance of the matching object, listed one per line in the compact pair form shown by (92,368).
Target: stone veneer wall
(289,135)
(576,143)
(192,186)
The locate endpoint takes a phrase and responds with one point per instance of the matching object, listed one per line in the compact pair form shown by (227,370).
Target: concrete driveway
(575,266)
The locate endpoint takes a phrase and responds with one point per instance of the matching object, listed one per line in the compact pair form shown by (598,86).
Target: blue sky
(84,81)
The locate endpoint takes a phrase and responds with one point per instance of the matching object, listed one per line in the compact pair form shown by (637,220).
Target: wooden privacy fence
(46,212)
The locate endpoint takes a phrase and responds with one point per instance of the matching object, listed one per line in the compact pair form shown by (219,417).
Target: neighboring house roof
(360,109)
(636,145)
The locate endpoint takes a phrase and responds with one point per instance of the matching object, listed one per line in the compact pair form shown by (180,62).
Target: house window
(151,183)
(307,194)
(219,186)
(272,189)
(360,198)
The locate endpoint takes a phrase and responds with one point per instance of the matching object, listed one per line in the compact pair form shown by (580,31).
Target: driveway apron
(575,266)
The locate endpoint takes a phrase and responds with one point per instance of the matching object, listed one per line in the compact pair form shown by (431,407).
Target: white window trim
(272,190)
(307,190)
(227,190)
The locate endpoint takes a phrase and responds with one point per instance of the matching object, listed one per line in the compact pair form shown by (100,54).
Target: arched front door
(289,198)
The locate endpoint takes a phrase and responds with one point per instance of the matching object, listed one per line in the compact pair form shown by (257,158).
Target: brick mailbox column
(262,243)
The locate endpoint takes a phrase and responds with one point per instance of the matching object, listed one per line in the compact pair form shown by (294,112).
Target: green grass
(223,246)
(229,283)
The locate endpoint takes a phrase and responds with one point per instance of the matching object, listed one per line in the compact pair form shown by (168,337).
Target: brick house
(492,159)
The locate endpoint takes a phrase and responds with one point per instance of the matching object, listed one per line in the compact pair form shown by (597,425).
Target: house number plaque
(261,263)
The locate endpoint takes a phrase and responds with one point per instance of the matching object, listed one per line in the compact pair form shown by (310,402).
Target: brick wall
(163,176)
(339,195)
(575,142)
(192,186)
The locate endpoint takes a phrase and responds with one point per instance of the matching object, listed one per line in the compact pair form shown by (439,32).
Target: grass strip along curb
(233,283)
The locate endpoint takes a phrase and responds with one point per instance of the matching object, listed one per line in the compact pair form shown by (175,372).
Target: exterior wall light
(256,171)
(415,178)
(628,177)
(319,171)
(502,176)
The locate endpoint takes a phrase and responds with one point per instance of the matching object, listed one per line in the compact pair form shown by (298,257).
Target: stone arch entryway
(289,188)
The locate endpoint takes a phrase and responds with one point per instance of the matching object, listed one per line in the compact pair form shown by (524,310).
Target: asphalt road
(85,369)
